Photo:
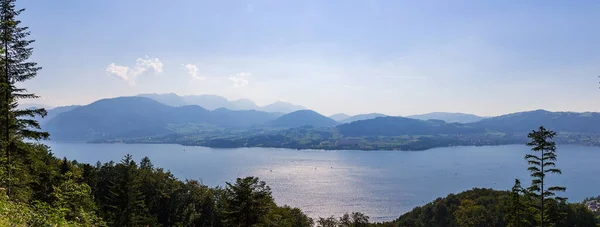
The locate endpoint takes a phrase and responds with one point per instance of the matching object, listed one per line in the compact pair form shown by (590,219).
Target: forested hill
(397,126)
(302,118)
(523,122)
(487,207)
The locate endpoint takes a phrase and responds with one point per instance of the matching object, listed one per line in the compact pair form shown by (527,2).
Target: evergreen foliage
(487,207)
(125,199)
(246,202)
(540,166)
(15,67)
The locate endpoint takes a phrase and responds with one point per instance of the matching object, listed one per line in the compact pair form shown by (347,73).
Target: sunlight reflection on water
(381,184)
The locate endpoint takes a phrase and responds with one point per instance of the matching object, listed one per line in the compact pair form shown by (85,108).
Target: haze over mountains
(213,102)
(339,117)
(140,116)
(448,117)
(586,122)
(361,117)
(344,118)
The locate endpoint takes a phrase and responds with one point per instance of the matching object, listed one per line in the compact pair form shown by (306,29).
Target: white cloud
(146,63)
(119,71)
(193,71)
(130,74)
(239,79)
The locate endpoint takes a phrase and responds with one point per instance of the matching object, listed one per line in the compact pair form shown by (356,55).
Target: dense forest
(487,207)
(39,189)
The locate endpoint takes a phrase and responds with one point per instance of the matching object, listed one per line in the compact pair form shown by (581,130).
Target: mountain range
(213,102)
(444,116)
(523,122)
(140,117)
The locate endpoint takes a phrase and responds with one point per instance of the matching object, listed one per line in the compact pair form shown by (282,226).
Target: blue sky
(392,57)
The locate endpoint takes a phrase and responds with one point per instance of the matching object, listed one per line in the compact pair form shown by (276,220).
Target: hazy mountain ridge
(448,117)
(361,117)
(397,126)
(140,116)
(169,99)
(52,113)
(213,102)
(340,117)
(524,122)
(282,107)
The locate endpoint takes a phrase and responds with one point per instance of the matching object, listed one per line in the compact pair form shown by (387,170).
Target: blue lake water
(381,184)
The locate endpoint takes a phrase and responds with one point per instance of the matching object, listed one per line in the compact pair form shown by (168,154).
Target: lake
(381,184)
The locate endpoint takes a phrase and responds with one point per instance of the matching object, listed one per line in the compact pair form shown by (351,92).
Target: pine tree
(15,124)
(539,166)
(74,198)
(518,213)
(126,200)
(247,202)
(65,166)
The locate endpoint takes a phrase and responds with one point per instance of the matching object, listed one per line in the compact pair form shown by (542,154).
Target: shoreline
(306,148)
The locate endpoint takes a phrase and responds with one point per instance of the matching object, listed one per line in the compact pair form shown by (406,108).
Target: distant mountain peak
(339,117)
(282,107)
(361,117)
(242,104)
(448,117)
(302,118)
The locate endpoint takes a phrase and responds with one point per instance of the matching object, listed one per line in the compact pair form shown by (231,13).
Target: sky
(393,57)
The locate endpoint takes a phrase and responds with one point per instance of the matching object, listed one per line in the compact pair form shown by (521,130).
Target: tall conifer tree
(16,124)
(127,206)
(540,165)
